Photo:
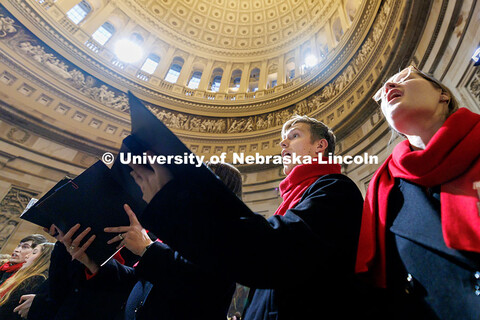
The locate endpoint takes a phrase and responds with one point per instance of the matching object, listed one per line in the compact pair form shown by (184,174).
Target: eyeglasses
(398,78)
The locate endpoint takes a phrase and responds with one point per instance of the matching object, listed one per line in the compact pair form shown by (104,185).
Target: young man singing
(299,262)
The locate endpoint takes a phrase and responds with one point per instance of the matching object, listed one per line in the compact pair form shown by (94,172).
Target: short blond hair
(318,130)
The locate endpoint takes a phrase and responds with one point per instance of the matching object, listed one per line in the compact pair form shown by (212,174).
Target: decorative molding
(11,206)
(188,103)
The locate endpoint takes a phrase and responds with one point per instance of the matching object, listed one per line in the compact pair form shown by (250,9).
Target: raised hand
(133,237)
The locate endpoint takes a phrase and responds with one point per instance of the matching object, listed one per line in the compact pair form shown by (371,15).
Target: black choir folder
(95,198)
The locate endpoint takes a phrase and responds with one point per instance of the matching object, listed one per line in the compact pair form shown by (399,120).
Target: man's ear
(322,145)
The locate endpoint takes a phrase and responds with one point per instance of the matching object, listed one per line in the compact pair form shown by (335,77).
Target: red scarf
(299,179)
(452,160)
(8,268)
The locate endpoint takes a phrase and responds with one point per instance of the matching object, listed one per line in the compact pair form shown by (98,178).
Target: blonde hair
(39,267)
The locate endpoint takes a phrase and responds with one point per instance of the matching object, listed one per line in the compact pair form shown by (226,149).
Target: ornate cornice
(341,100)
(26,121)
(273,100)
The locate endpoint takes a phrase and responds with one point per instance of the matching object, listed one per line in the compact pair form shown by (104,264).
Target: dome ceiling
(237,25)
(247,120)
(81,85)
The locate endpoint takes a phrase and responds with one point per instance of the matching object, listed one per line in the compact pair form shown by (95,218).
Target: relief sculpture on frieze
(11,207)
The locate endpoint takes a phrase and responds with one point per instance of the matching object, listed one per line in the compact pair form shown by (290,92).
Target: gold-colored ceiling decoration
(273,37)
(331,91)
(62,93)
(84,89)
(243,27)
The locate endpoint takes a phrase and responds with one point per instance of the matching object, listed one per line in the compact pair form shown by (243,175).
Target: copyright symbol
(108,158)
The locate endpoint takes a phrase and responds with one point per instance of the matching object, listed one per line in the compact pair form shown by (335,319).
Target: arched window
(104,33)
(216,79)
(235,79)
(151,63)
(322,43)
(272,76)
(216,83)
(79,12)
(351,8)
(337,29)
(290,67)
(195,80)
(174,71)
(253,81)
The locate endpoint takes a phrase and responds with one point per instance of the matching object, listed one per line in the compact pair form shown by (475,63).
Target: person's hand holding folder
(133,237)
(75,246)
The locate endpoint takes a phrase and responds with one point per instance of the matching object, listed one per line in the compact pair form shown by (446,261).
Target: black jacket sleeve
(43,307)
(168,270)
(59,273)
(319,235)
(28,286)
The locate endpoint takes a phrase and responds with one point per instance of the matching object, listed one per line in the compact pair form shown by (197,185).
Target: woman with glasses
(420,236)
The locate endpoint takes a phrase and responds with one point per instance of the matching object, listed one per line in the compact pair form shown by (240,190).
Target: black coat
(71,296)
(28,286)
(301,264)
(5,275)
(425,278)
(176,288)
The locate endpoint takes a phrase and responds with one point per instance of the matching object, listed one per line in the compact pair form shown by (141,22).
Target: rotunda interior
(223,75)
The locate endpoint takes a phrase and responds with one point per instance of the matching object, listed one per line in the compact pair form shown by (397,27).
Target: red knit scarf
(10,268)
(452,160)
(299,179)
(6,267)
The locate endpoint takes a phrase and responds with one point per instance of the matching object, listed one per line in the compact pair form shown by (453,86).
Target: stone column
(262,81)
(207,71)
(298,61)
(165,63)
(186,71)
(281,70)
(245,78)
(99,18)
(227,74)
(66,5)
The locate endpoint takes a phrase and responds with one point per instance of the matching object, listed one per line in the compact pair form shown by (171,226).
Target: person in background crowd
(18,257)
(420,236)
(26,280)
(4,258)
(72,290)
